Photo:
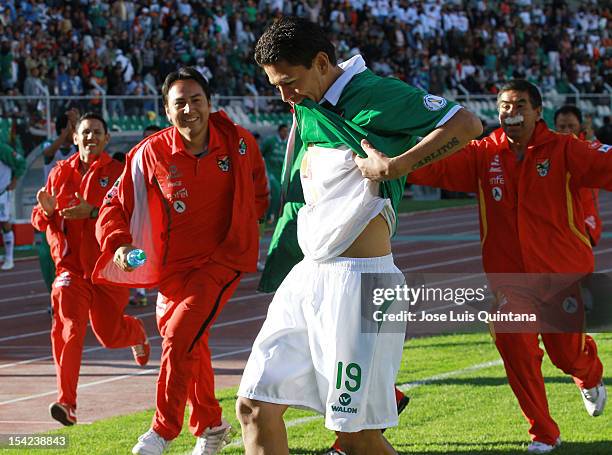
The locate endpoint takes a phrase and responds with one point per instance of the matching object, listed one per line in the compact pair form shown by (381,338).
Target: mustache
(515,120)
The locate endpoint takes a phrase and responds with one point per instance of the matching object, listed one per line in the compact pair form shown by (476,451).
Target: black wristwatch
(94,212)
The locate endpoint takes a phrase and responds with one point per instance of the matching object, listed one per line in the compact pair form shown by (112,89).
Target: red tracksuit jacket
(155,188)
(73,243)
(531,214)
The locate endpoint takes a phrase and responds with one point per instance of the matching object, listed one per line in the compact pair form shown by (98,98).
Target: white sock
(9,245)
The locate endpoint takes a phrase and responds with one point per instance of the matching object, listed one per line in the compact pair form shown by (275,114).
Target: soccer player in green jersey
(311,351)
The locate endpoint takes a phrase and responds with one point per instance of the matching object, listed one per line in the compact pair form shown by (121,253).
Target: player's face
(283,133)
(517,116)
(188,108)
(296,82)
(90,139)
(567,123)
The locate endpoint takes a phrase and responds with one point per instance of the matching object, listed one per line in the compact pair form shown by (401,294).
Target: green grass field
(460,404)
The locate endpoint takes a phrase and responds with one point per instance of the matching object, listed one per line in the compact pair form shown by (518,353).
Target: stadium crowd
(81,47)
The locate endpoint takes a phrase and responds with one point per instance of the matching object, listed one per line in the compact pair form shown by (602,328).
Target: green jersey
(14,165)
(390,114)
(273,152)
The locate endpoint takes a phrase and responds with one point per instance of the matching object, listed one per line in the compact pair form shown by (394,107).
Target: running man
(67,209)
(310,351)
(528,180)
(53,152)
(190,197)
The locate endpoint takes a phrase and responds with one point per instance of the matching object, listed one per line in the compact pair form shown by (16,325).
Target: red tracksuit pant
(573,353)
(76,301)
(187,305)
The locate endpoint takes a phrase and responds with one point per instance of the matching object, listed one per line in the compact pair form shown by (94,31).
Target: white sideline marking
(435,250)
(22,315)
(116,378)
(97,348)
(437,264)
(21,283)
(24,335)
(449,374)
(25,297)
(19,272)
(439,225)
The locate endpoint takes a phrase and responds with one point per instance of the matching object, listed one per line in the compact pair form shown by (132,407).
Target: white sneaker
(213,439)
(150,443)
(8,265)
(540,447)
(595,399)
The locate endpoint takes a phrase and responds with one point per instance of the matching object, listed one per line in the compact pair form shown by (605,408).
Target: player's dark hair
(281,126)
(185,73)
(604,134)
(61,122)
(569,109)
(521,85)
(293,40)
(151,129)
(92,116)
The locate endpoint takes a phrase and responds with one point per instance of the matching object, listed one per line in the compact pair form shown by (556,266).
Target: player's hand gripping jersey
(368,107)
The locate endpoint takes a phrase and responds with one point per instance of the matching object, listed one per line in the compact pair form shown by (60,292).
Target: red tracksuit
(196,218)
(74,248)
(590,204)
(532,221)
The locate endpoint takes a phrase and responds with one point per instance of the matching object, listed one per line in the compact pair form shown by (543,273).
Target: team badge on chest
(103,182)
(179,206)
(543,166)
(223,162)
(242,147)
(497,193)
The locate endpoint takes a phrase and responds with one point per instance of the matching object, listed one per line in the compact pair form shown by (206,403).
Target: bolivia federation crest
(223,162)
(242,147)
(497,193)
(543,166)
(103,182)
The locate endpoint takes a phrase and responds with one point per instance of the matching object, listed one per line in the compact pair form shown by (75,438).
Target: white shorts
(6,206)
(312,352)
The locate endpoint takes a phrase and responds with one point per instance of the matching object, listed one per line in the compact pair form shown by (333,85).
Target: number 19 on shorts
(350,376)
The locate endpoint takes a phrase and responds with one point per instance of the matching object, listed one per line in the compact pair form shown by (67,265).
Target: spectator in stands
(116,87)
(544,45)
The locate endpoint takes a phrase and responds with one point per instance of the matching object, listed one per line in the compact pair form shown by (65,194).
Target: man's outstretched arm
(440,143)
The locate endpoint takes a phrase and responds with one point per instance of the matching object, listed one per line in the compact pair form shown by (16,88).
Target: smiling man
(528,180)
(190,197)
(66,212)
(311,351)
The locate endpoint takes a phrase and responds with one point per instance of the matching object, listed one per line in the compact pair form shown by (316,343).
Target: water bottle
(136,258)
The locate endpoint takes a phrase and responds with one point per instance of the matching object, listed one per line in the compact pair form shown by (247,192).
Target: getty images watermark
(443,303)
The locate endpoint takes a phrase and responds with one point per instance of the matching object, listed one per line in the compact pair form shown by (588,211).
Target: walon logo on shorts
(344,400)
